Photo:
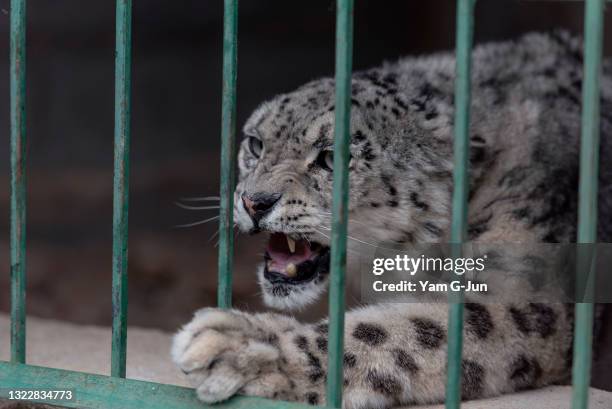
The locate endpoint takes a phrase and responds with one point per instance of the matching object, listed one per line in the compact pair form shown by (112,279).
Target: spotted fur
(524,168)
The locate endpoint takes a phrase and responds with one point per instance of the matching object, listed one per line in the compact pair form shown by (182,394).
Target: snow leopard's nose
(259,204)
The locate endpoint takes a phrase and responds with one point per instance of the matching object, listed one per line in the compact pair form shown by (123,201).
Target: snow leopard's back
(526,116)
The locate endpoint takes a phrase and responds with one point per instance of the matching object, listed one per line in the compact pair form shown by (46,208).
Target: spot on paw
(370,334)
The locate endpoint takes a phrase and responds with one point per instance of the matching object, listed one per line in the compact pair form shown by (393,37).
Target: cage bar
(18,180)
(342,129)
(123,45)
(102,392)
(228,148)
(587,195)
(464,34)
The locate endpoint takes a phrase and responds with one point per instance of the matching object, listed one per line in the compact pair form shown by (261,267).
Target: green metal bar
(464,34)
(228,148)
(103,392)
(342,138)
(587,206)
(123,51)
(18,180)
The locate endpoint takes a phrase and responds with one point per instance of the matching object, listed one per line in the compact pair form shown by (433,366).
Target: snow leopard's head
(285,181)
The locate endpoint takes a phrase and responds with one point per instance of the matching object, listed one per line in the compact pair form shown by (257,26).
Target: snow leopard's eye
(326,160)
(255,146)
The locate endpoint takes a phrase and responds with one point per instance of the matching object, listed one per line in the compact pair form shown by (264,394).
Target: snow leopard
(523,167)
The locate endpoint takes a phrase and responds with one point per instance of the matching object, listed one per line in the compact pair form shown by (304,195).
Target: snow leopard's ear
(257,117)
(250,131)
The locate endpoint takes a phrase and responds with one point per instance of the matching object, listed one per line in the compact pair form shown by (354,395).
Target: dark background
(175,131)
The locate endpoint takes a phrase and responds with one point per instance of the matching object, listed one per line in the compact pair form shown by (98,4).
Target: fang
(291,244)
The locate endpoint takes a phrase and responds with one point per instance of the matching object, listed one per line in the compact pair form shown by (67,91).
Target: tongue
(281,256)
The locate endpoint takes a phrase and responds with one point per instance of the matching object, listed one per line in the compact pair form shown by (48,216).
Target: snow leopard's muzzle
(295,267)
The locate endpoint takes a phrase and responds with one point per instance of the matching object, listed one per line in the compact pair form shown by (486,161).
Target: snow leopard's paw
(224,352)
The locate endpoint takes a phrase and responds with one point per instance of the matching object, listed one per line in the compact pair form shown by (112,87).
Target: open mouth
(294,261)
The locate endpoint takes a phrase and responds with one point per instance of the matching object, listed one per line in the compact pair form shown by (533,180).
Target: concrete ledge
(87,348)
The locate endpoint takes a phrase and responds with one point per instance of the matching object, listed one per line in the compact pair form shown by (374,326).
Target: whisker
(323,234)
(184,206)
(357,240)
(217,243)
(200,199)
(215,234)
(329,238)
(349,220)
(365,242)
(198,222)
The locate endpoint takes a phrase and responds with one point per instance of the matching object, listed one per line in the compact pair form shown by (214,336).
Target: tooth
(291,244)
(291,270)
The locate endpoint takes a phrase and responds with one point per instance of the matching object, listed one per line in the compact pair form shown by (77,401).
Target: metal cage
(97,391)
